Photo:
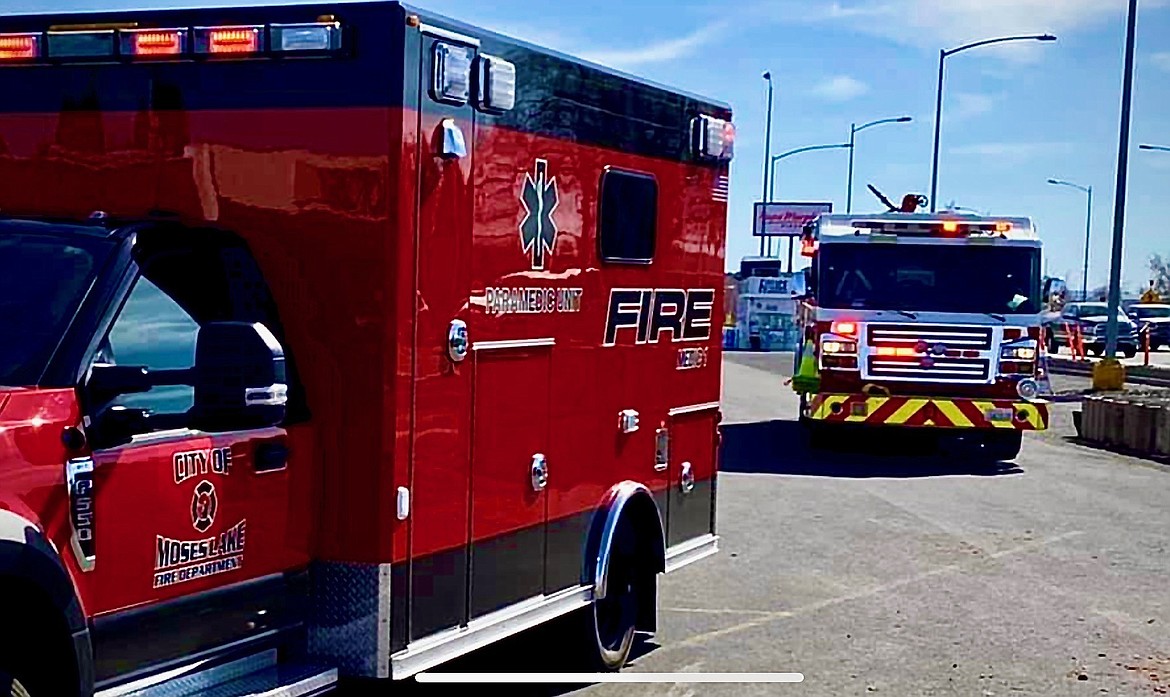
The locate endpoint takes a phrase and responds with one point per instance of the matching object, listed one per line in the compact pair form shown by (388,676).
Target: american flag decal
(719,191)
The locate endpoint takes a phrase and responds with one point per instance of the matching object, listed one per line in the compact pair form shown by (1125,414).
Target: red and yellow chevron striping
(935,412)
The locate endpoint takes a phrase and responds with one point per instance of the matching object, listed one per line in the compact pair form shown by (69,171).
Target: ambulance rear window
(628,216)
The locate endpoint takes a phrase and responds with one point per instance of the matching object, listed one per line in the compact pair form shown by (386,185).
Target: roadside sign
(786,219)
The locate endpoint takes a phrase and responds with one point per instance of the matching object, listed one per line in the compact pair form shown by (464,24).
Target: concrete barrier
(1138,424)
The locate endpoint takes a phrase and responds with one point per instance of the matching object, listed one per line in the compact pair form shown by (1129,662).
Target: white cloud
(1161,60)
(657,52)
(935,24)
(966,105)
(841,88)
(1014,152)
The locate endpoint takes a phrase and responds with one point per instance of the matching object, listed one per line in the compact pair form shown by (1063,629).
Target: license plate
(999,414)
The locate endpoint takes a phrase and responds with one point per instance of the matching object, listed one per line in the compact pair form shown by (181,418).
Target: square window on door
(629,216)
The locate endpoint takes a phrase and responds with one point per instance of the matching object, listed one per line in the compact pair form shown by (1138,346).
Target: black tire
(1002,447)
(36,651)
(1053,345)
(1129,352)
(607,628)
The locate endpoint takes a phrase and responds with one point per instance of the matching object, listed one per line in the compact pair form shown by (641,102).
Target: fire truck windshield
(44,275)
(929,278)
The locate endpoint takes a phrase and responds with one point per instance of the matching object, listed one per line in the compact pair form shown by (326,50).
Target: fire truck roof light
(844,328)
(309,37)
(18,47)
(229,40)
(96,43)
(713,138)
(154,42)
(497,84)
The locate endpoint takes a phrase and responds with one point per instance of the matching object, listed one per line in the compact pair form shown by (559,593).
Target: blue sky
(1014,114)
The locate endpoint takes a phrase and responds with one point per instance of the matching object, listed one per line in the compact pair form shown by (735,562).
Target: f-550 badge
(538,231)
(645,313)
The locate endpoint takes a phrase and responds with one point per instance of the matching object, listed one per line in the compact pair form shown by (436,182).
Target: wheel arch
(29,563)
(626,503)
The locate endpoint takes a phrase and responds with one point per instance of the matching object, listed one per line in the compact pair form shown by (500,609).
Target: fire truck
(923,321)
(341,341)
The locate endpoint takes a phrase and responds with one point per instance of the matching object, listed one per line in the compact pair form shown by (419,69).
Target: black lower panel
(399,601)
(565,558)
(690,513)
(506,570)
(137,640)
(438,592)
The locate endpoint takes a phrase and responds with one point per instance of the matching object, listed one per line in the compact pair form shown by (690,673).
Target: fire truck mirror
(239,377)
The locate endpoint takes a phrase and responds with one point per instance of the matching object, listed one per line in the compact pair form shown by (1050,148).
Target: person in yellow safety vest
(1151,295)
(807,377)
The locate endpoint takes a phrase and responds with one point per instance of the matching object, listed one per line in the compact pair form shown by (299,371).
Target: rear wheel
(36,651)
(608,627)
(1129,351)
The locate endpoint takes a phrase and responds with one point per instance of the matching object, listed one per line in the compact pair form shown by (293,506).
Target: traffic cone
(807,378)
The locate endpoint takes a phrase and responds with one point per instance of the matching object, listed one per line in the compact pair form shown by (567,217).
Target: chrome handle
(457,340)
(539,472)
(686,480)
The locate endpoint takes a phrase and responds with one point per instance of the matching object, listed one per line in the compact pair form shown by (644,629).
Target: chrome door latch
(539,472)
(686,479)
(457,340)
(628,421)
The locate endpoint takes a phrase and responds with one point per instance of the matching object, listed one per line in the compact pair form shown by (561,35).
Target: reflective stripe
(925,411)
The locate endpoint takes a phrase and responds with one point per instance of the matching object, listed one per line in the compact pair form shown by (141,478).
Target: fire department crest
(203,505)
(538,231)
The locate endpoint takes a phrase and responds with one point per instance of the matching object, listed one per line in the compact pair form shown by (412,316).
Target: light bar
(712,138)
(229,40)
(82,44)
(147,43)
(17,47)
(301,38)
(497,84)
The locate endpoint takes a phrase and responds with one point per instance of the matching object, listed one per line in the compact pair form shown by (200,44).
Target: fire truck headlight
(1022,351)
(1028,388)
(838,347)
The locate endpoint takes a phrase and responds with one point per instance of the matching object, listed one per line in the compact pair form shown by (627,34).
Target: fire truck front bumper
(929,412)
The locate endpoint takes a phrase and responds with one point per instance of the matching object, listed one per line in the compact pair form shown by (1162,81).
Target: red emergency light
(843,328)
(16,47)
(154,42)
(228,40)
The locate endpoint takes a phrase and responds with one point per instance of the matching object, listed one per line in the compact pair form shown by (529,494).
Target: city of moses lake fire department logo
(203,505)
(538,232)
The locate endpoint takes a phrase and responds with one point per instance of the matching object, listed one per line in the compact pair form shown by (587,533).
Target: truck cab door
(438,526)
(195,533)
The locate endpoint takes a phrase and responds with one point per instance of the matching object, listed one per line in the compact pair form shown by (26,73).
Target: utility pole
(767,152)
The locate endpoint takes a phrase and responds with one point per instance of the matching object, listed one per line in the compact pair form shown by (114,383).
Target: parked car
(1157,317)
(1090,317)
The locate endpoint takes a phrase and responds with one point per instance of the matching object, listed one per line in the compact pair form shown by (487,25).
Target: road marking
(869,592)
(717,611)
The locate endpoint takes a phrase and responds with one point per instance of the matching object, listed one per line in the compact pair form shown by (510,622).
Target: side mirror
(239,377)
(105,381)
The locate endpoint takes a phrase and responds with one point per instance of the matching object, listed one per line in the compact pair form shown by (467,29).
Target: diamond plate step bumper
(258,675)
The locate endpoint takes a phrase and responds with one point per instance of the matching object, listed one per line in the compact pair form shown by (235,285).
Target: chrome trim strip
(693,409)
(384,627)
(691,551)
(444,646)
(442,33)
(512,344)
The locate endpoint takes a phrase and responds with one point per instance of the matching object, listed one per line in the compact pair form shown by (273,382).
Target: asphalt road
(1160,357)
(885,569)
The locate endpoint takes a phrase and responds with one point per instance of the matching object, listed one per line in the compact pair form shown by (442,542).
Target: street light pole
(1088,228)
(854,129)
(942,55)
(781,156)
(1119,197)
(767,150)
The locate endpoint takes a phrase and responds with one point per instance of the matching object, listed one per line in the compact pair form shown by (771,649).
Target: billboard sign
(786,219)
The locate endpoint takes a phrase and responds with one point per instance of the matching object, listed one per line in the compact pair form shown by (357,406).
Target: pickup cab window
(45,273)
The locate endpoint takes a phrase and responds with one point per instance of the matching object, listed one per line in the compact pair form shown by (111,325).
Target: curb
(1135,425)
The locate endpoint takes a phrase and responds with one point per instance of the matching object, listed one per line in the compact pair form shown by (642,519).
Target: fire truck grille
(925,352)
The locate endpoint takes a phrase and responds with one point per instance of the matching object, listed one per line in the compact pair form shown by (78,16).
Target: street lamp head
(1054,181)
(904,119)
(1046,37)
(768,75)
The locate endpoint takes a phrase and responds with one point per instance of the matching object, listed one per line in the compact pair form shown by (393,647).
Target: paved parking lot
(883,569)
